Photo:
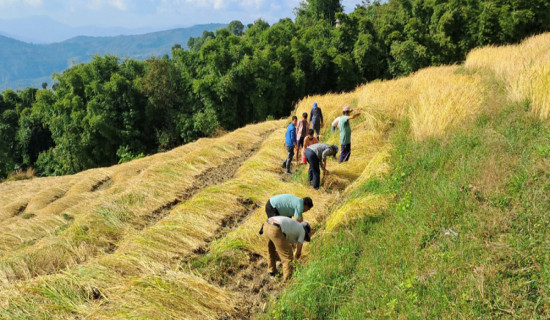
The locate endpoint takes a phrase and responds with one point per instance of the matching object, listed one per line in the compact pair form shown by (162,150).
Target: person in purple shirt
(291,143)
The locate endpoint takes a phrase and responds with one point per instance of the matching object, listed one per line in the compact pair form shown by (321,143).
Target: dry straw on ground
(525,68)
(119,242)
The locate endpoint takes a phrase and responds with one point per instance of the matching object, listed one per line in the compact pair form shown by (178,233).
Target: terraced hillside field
(174,235)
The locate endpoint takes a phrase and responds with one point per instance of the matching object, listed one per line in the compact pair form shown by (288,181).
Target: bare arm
(298,250)
(299,220)
(354,116)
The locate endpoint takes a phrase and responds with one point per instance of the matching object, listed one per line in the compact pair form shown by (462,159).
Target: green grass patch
(465,237)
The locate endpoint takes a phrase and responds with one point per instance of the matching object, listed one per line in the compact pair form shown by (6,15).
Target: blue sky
(152,13)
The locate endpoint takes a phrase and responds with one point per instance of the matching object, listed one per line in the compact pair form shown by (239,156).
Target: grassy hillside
(451,222)
(442,212)
(25,64)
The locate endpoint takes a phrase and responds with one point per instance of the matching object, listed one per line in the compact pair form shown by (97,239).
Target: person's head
(308,204)
(307,229)
(294,120)
(314,105)
(304,115)
(347,110)
(310,133)
(335,149)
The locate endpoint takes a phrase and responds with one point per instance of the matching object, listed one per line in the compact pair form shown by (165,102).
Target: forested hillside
(111,110)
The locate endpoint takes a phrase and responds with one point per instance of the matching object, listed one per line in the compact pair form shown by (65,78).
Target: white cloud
(216,4)
(184,5)
(96,5)
(252,4)
(31,3)
(170,6)
(34,3)
(6,3)
(119,4)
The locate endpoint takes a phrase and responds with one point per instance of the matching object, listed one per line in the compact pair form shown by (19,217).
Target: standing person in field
(316,118)
(308,141)
(345,133)
(317,155)
(301,133)
(280,233)
(291,143)
(287,205)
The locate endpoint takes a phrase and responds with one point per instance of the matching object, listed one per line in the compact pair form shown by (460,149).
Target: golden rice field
(174,235)
(525,68)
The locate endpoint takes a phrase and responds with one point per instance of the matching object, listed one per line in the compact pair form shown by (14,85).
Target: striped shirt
(322,150)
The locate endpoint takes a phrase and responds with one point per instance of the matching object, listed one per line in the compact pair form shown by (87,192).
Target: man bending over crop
(287,205)
(280,233)
(317,155)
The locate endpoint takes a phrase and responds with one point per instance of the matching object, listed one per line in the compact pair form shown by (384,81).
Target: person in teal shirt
(287,205)
(345,133)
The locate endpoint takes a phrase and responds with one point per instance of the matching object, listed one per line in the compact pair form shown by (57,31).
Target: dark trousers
(289,158)
(316,126)
(346,152)
(270,212)
(314,173)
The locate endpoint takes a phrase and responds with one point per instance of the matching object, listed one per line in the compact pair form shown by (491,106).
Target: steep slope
(453,221)
(441,212)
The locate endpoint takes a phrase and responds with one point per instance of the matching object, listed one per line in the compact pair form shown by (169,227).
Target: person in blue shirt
(291,143)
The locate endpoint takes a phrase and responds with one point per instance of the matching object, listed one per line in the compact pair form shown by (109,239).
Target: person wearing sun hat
(345,133)
(316,156)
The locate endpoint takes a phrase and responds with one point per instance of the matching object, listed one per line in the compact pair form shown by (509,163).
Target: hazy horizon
(46,21)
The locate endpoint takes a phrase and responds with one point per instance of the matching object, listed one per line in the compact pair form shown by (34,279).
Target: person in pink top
(301,134)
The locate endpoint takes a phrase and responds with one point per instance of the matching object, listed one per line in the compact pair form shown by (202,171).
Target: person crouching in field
(301,134)
(287,205)
(291,143)
(280,233)
(316,156)
(308,141)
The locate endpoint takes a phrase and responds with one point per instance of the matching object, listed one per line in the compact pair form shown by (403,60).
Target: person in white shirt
(280,233)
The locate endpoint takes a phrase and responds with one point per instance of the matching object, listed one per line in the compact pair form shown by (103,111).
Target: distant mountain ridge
(25,64)
(44,30)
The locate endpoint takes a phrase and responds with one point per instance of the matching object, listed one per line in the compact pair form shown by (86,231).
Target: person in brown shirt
(308,141)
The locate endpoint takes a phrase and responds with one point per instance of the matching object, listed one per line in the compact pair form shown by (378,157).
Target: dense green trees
(108,110)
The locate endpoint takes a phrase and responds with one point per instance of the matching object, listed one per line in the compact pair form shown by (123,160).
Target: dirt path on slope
(209,177)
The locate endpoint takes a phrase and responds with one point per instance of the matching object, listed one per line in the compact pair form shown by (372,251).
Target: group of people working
(285,225)
(299,135)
